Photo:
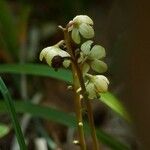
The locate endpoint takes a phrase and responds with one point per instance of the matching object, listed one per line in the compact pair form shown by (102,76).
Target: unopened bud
(101,83)
(70,87)
(76,142)
(80,124)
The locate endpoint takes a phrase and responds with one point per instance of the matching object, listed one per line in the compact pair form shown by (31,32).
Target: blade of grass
(111,101)
(65,75)
(13,115)
(62,118)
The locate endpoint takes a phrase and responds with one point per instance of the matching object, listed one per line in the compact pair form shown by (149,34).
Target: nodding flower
(55,56)
(81,25)
(95,85)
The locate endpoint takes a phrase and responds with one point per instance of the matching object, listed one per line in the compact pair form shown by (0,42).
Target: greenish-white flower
(81,25)
(54,54)
(91,57)
(95,85)
(100,82)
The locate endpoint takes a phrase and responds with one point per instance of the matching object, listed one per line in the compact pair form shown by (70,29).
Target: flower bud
(101,83)
(76,142)
(96,84)
(86,31)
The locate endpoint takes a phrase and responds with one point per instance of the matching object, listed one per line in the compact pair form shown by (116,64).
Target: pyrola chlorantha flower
(91,57)
(54,54)
(81,25)
(95,85)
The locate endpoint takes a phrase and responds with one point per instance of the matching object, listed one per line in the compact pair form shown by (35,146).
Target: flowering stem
(78,74)
(77,102)
(89,108)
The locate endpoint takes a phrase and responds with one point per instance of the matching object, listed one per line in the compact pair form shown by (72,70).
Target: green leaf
(38,70)
(62,118)
(112,102)
(13,115)
(4,130)
(65,75)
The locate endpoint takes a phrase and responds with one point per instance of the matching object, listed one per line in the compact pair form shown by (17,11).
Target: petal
(81,58)
(86,31)
(83,19)
(43,53)
(97,52)
(49,56)
(98,66)
(101,83)
(85,47)
(90,88)
(66,62)
(85,68)
(63,53)
(102,78)
(75,35)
